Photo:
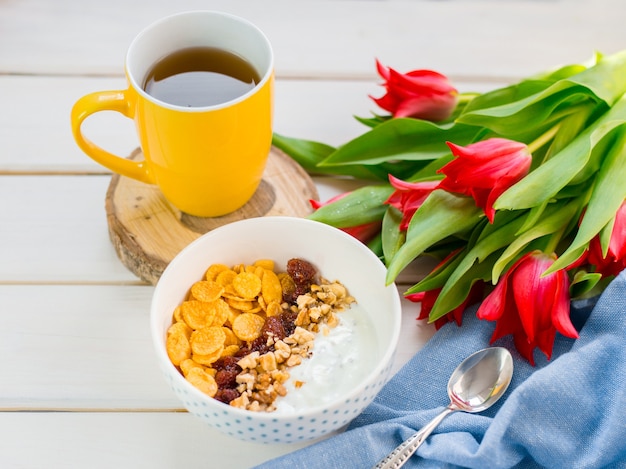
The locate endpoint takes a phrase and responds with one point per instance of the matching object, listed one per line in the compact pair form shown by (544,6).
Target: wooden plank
(37,138)
(89,347)
(54,230)
(473,39)
(124,440)
(77,347)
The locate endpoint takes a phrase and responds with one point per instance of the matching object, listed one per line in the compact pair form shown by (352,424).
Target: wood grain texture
(147,231)
(80,386)
(329,38)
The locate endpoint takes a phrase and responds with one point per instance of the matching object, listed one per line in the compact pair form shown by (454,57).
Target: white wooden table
(79,386)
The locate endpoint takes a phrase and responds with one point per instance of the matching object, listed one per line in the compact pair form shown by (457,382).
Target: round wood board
(147,231)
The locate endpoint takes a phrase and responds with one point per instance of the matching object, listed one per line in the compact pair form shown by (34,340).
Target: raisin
(258,345)
(301,271)
(226,395)
(288,318)
(273,326)
(290,297)
(243,351)
(227,371)
(227,378)
(225,362)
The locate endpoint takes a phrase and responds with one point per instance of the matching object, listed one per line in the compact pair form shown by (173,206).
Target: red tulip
(530,306)
(429,297)
(615,260)
(363,233)
(408,197)
(422,94)
(484,170)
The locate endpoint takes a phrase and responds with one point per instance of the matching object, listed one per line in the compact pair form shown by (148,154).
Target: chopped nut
(280,376)
(241,402)
(280,389)
(332,321)
(294,360)
(250,361)
(228,310)
(302,336)
(267,361)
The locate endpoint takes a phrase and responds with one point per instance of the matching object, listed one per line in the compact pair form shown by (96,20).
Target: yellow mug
(207,161)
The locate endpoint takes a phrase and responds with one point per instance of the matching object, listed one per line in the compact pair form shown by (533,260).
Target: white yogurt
(338,361)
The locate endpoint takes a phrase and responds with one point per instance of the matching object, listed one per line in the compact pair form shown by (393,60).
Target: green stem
(464,98)
(553,241)
(543,139)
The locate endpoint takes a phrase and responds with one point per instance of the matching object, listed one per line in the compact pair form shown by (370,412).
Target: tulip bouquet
(519,193)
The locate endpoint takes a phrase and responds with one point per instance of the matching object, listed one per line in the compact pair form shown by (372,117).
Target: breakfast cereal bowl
(348,363)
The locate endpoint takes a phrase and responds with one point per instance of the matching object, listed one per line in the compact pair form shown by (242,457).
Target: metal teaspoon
(476,384)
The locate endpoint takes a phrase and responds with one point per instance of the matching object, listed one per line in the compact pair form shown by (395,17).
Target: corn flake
(214,270)
(207,340)
(209,358)
(226,277)
(220,312)
(247,285)
(206,290)
(271,288)
(177,342)
(187,364)
(247,326)
(203,381)
(195,313)
(267,264)
(227,310)
(229,351)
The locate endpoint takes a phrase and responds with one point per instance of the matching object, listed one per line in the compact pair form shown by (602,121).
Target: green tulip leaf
(530,102)
(438,277)
(608,195)
(392,237)
(376,245)
(584,283)
(605,236)
(533,216)
(552,221)
(363,205)
(451,298)
(441,215)
(569,128)
(508,119)
(403,139)
(309,154)
(547,180)
(565,71)
(497,239)
(373,121)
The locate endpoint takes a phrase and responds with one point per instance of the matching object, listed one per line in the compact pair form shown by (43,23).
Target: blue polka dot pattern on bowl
(280,238)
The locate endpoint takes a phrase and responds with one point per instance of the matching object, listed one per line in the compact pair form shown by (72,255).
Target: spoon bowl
(480,379)
(475,385)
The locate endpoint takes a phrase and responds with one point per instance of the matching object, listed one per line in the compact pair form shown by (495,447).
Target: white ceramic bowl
(337,256)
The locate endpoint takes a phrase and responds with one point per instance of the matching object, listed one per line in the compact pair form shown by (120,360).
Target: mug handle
(115,100)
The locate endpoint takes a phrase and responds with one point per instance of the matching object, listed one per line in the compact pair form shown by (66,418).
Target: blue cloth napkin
(569,412)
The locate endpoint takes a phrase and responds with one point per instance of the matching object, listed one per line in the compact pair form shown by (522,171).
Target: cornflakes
(247,326)
(202,380)
(247,284)
(240,329)
(206,290)
(177,342)
(207,340)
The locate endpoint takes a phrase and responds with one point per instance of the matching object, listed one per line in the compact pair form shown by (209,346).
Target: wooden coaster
(147,231)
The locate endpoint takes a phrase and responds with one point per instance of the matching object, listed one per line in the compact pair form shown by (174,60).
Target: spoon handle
(405,450)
